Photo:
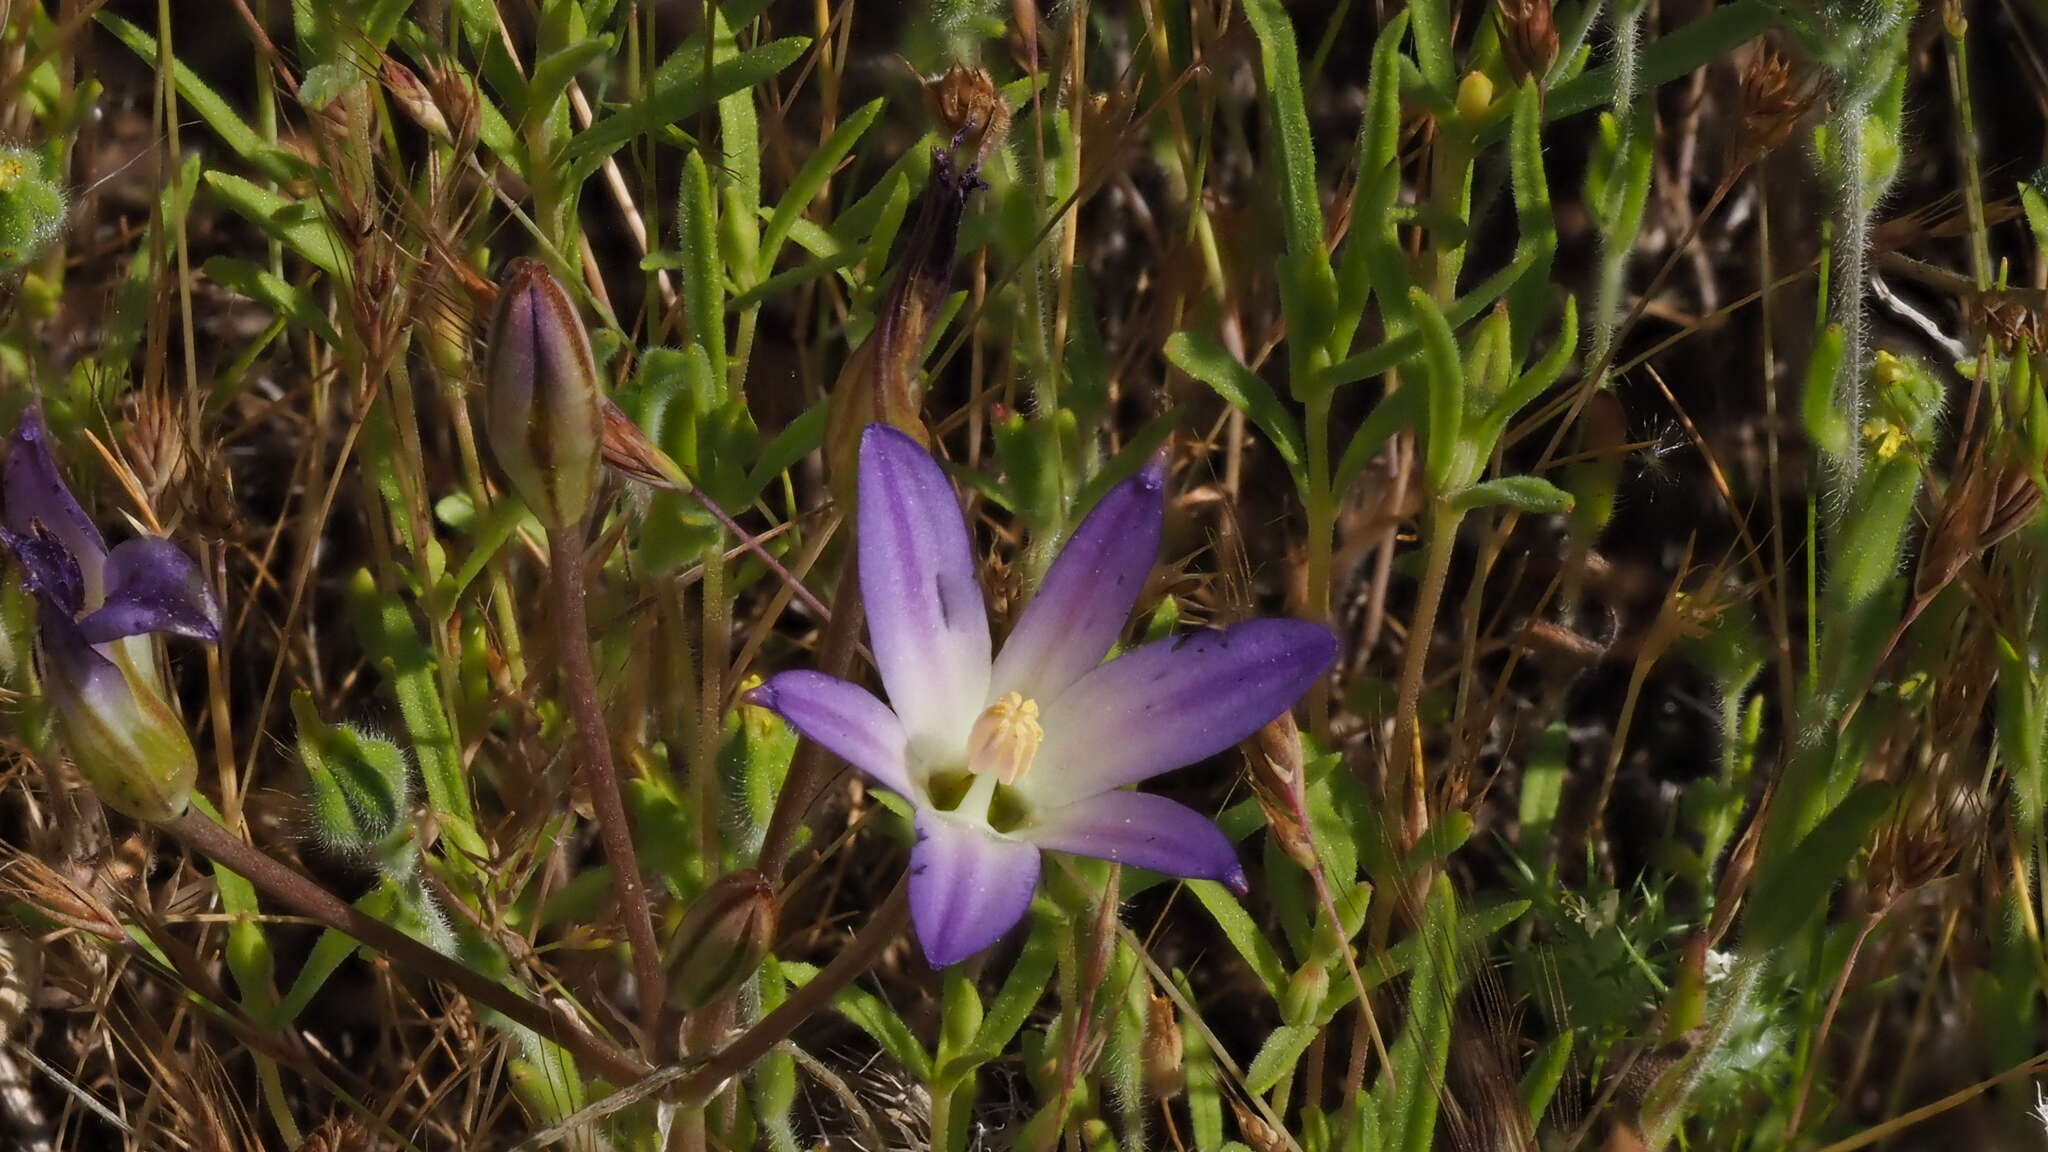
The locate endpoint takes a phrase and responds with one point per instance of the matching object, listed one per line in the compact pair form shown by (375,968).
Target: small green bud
(1475,97)
(722,939)
(543,403)
(1303,997)
(31,208)
(356,784)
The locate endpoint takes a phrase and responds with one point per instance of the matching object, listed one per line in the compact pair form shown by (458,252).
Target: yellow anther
(1005,738)
(1885,437)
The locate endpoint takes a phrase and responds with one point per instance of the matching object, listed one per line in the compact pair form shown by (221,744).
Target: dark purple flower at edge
(1008,755)
(96,609)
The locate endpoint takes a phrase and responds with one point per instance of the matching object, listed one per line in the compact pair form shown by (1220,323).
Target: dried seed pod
(543,405)
(1774,101)
(1528,37)
(1163,1051)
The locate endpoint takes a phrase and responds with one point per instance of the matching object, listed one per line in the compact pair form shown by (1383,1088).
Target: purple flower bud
(542,400)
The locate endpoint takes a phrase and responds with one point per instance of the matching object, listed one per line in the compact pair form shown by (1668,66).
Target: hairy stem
(600,778)
(200,833)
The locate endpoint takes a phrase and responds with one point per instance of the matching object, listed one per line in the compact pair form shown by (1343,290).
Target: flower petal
(152,586)
(1171,703)
(968,886)
(1143,831)
(48,568)
(35,493)
(847,720)
(1089,592)
(926,620)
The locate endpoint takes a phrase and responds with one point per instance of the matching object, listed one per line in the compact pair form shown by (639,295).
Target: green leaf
(1200,356)
(1531,494)
(328,953)
(798,439)
(1400,409)
(286,299)
(1711,37)
(1791,889)
(1444,384)
(388,634)
(290,222)
(1539,1083)
(1824,422)
(1372,258)
(1278,1056)
(1408,1105)
(810,180)
(1018,996)
(872,1016)
(1243,933)
(1204,1083)
(678,92)
(1433,45)
(236,133)
(1529,299)
(1138,448)
(702,272)
(1309,294)
(552,75)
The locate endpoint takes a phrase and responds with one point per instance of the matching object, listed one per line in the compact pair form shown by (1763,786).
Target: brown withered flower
(1775,98)
(1163,1050)
(966,107)
(1528,37)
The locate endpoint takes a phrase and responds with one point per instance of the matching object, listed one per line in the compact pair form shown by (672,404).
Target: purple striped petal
(1143,831)
(846,720)
(153,587)
(1172,702)
(968,886)
(926,620)
(35,493)
(1089,592)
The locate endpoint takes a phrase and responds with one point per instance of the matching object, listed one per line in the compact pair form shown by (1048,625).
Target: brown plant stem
(201,834)
(600,778)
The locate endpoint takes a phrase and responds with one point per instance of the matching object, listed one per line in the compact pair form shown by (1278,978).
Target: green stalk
(1409,789)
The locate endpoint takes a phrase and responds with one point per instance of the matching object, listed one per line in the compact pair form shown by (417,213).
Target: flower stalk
(600,776)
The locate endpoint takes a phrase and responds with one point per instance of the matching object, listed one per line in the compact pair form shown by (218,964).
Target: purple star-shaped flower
(1031,750)
(96,608)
